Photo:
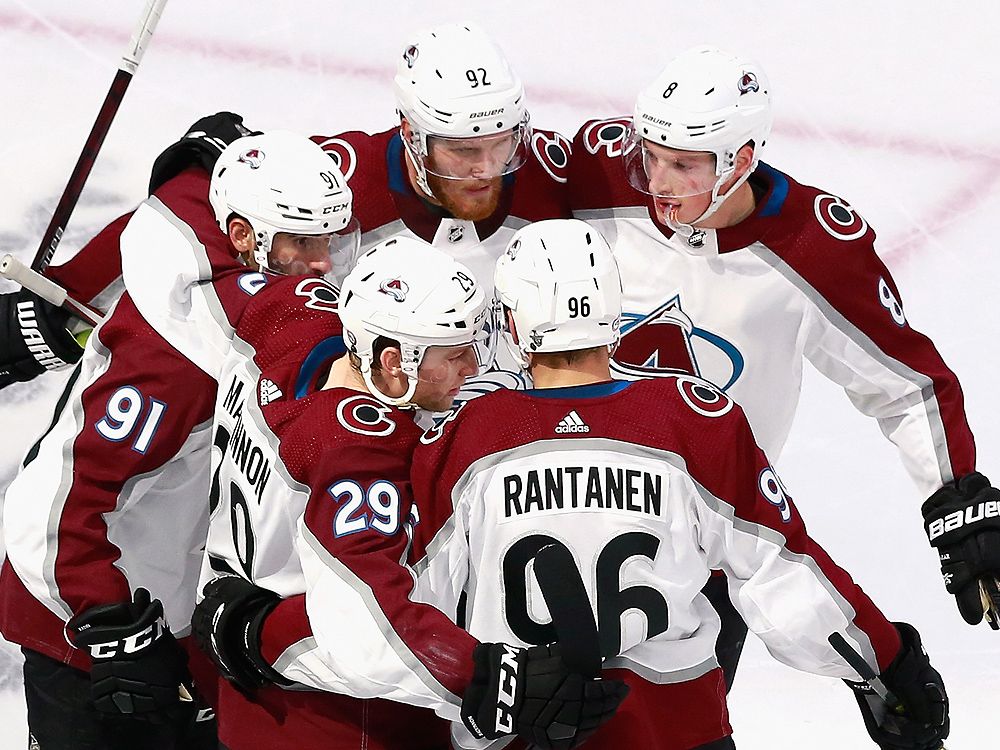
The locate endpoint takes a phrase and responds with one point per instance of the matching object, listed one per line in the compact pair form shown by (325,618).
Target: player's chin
(475,203)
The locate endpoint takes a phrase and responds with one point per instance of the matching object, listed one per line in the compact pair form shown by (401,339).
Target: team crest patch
(319,294)
(395,288)
(552,151)
(363,415)
(838,219)
(254,157)
(748,83)
(608,135)
(343,155)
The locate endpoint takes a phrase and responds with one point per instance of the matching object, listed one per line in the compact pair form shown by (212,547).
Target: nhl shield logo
(455,233)
(395,288)
(253,156)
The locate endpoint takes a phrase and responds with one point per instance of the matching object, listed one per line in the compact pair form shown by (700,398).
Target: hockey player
(34,335)
(324,518)
(735,272)
(105,522)
(649,485)
(464,169)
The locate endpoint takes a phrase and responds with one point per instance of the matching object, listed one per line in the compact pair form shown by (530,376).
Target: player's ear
(242,236)
(391,361)
(744,158)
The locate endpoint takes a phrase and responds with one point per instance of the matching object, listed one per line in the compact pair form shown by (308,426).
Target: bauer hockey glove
(200,146)
(33,338)
(138,668)
(227,625)
(919,719)
(533,694)
(962,521)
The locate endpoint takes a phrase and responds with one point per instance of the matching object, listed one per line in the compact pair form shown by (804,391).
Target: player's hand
(920,720)
(532,693)
(200,146)
(138,669)
(227,624)
(33,338)
(962,521)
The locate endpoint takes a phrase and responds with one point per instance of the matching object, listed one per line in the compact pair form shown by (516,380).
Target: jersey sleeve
(93,275)
(117,464)
(858,336)
(788,589)
(370,639)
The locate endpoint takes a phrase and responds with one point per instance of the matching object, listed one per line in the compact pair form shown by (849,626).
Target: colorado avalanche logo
(254,157)
(319,294)
(608,135)
(364,415)
(410,55)
(748,83)
(663,343)
(395,288)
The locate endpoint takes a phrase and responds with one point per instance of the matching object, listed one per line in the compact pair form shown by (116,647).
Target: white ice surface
(891,104)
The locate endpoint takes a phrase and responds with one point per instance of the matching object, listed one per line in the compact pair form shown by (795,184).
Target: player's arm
(860,337)
(795,597)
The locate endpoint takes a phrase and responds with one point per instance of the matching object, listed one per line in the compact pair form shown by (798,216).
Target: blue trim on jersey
(398,181)
(322,352)
(779,190)
(593,390)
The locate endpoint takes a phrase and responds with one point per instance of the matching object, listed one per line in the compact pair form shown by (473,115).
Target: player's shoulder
(539,186)
(597,179)
(356,152)
(342,431)
(808,224)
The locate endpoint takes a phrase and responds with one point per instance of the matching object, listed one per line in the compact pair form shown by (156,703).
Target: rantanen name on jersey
(575,487)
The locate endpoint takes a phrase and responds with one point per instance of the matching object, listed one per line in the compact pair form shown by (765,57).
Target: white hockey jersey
(650,485)
(745,306)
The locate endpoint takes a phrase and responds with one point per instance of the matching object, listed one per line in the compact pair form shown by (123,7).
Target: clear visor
(667,172)
(440,363)
(479,158)
(314,254)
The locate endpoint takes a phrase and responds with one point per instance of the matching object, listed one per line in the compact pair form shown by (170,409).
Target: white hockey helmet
(559,283)
(283,182)
(453,84)
(410,292)
(704,100)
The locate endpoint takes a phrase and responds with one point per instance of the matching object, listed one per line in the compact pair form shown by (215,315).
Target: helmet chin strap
(418,165)
(402,402)
(690,231)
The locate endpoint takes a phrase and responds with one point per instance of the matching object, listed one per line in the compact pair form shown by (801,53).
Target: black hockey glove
(962,521)
(33,337)
(919,721)
(532,693)
(227,624)
(138,668)
(201,145)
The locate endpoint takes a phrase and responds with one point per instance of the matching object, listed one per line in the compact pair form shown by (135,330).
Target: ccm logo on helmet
(960,518)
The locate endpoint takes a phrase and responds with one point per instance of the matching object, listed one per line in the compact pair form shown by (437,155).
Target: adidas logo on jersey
(571,423)
(269,392)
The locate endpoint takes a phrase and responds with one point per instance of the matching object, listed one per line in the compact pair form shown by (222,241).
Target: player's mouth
(668,207)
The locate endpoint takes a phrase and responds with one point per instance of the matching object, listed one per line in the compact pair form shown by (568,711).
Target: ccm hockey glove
(533,694)
(919,721)
(138,668)
(201,146)
(962,521)
(227,624)
(33,338)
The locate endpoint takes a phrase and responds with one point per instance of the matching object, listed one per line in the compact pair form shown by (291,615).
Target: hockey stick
(568,603)
(13,269)
(989,593)
(71,194)
(864,669)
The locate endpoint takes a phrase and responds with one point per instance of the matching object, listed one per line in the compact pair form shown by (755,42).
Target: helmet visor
(314,254)
(667,172)
(479,158)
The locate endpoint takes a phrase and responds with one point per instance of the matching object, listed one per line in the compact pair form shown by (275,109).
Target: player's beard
(469,200)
